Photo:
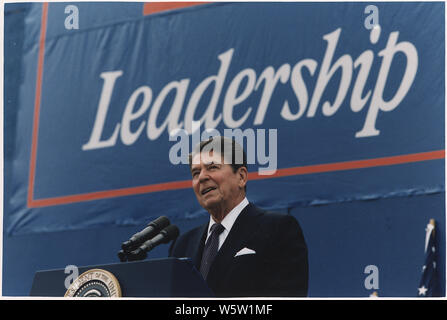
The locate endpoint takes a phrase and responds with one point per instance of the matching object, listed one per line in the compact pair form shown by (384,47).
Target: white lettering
(364,61)
(300,89)
(345,62)
(128,137)
(171,121)
(270,79)
(104,101)
(219,79)
(245,82)
(377,102)
(231,100)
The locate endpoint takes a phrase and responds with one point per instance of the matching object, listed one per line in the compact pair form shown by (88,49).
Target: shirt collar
(231,217)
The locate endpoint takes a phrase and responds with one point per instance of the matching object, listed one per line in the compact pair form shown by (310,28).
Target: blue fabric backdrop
(65,189)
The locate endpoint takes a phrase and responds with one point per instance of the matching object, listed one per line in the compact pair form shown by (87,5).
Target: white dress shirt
(227,222)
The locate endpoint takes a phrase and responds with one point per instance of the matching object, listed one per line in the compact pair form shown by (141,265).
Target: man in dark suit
(242,250)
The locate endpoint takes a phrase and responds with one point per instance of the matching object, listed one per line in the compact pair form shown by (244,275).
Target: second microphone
(152,229)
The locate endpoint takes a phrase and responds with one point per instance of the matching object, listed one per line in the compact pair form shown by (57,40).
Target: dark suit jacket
(279,267)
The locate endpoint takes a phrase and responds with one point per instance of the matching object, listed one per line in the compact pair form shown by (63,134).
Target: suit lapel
(238,235)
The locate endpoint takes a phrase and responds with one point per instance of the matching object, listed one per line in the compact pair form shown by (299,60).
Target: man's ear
(243,175)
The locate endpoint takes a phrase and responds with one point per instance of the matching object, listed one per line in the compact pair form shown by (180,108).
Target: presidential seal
(95,283)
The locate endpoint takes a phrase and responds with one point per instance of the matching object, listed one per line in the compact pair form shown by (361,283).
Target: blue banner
(349,106)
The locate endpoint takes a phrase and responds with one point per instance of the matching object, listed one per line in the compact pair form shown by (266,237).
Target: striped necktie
(210,250)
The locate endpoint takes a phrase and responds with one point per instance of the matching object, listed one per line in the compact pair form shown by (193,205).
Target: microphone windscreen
(161,222)
(171,232)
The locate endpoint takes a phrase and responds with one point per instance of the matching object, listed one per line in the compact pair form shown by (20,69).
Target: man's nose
(203,176)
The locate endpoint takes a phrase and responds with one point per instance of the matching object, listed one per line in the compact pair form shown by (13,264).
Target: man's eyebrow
(205,164)
(212,162)
(194,169)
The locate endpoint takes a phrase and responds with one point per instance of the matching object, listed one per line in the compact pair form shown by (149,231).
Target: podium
(157,278)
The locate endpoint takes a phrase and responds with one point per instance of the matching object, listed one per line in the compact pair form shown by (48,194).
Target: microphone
(147,233)
(122,256)
(169,233)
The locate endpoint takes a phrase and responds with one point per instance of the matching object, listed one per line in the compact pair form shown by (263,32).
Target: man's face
(214,182)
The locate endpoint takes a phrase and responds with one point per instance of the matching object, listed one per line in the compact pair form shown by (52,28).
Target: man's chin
(210,204)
